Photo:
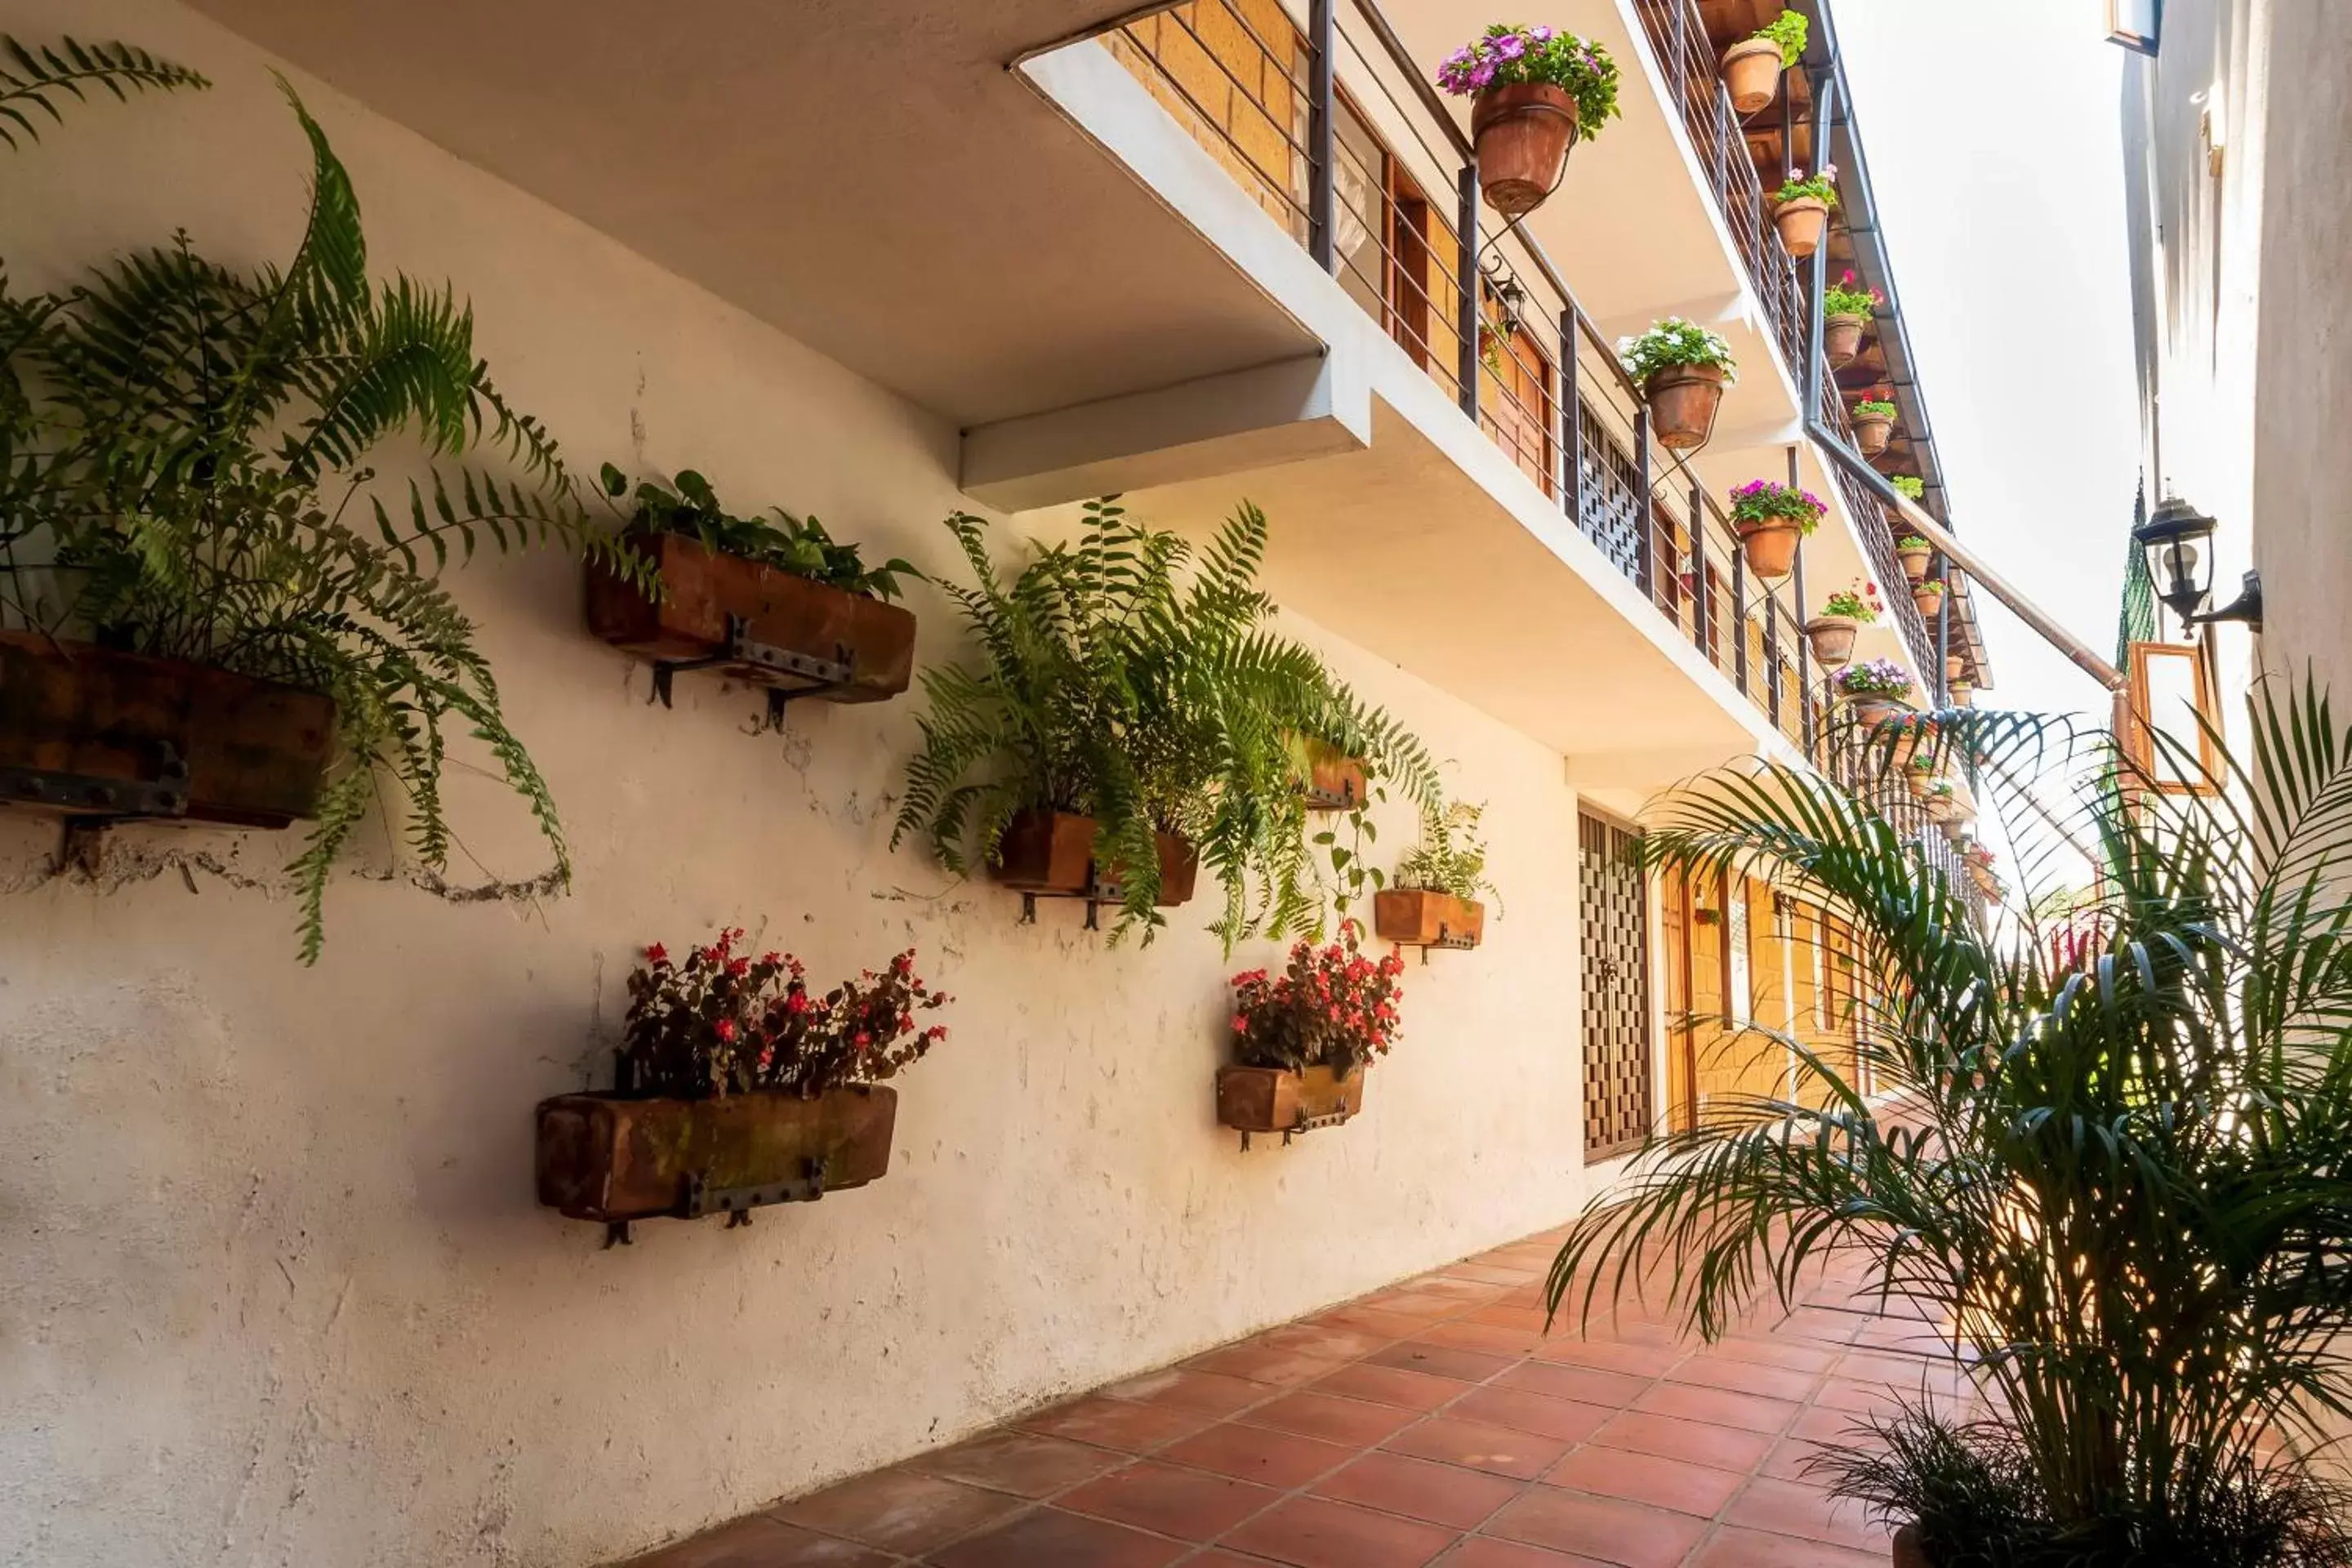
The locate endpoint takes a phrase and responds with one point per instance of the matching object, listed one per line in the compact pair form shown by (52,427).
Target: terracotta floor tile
(1612,1355)
(1446,1282)
(1262,1364)
(1653,1479)
(1498,1450)
(1790,1354)
(1191,1505)
(1440,1494)
(1314,1532)
(1614,1532)
(898,1510)
(1788,1460)
(1827,1423)
(1214,1392)
(1350,1421)
(1524,1412)
(1428,1306)
(758,1541)
(1585,1384)
(1730,1548)
(1510,1315)
(1372,1323)
(1049,1538)
(1486,1552)
(1708,1370)
(1320,1338)
(1025,1464)
(1280,1459)
(1444,1361)
(1856,1399)
(1820,1324)
(1389,1386)
(1488,1337)
(1788,1508)
(1696,1441)
(1484,1270)
(1743,1411)
(1119,1423)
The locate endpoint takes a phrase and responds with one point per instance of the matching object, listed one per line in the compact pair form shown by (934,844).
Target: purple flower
(1510,47)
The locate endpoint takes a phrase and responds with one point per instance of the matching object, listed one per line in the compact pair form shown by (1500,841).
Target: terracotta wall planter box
(1682,401)
(1524,132)
(1751,74)
(1801,223)
(702,590)
(87,731)
(1268,1099)
(1842,338)
(1179,869)
(1418,917)
(1336,784)
(1046,852)
(605,1157)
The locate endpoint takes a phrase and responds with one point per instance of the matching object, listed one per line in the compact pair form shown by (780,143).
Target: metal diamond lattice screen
(1614,933)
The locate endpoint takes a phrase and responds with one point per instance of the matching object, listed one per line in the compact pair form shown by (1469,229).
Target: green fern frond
(40,78)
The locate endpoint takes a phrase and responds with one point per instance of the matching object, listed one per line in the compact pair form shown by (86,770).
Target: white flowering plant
(1674,341)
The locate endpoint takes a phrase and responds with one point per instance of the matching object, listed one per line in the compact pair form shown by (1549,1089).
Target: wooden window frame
(2139,726)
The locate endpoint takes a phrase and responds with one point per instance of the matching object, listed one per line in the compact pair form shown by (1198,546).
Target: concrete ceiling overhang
(864,174)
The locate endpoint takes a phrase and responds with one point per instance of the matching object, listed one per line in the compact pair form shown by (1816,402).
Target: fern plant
(183,474)
(1119,679)
(799,545)
(39,78)
(1451,857)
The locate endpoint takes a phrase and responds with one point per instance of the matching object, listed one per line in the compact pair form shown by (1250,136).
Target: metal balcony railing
(1340,136)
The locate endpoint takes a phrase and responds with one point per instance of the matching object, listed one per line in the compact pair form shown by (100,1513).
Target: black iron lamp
(2177,541)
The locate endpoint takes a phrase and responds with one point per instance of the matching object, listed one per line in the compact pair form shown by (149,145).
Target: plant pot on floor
(1524,132)
(1842,338)
(1801,220)
(1683,400)
(1270,1099)
(1046,852)
(1770,547)
(1915,561)
(1908,1552)
(1832,639)
(616,1158)
(755,623)
(1422,917)
(1871,433)
(1751,74)
(86,730)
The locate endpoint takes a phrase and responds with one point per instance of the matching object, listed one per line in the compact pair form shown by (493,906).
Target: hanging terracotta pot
(1954,666)
(1524,132)
(1916,561)
(1962,692)
(1872,432)
(1920,780)
(1832,639)
(1929,597)
(1770,547)
(1801,220)
(1842,338)
(1682,401)
(1751,74)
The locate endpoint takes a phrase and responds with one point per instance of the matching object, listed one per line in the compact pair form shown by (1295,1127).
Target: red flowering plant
(721,1023)
(1331,1007)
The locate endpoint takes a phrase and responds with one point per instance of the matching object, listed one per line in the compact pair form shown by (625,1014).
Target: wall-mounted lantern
(2177,541)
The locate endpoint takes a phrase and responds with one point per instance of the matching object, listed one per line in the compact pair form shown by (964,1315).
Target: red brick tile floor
(1432,1422)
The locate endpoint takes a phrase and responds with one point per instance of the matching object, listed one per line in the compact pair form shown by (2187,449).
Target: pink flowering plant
(1875,678)
(1507,55)
(1331,1007)
(1822,187)
(1877,405)
(721,1022)
(1844,298)
(1762,503)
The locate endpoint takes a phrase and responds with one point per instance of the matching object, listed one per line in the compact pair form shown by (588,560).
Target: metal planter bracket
(166,794)
(767,665)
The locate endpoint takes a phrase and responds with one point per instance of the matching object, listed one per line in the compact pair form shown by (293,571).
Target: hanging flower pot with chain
(1771,519)
(1752,67)
(1801,210)
(1533,92)
(1683,368)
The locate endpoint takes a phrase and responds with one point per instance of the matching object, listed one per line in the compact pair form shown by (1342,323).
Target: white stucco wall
(277,1291)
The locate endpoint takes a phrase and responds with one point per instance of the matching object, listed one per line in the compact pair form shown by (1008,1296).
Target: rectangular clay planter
(605,1157)
(701,588)
(1268,1099)
(87,731)
(1046,852)
(1179,869)
(1418,917)
(1335,784)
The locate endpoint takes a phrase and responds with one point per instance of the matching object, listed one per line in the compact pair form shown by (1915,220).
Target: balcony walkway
(1433,1422)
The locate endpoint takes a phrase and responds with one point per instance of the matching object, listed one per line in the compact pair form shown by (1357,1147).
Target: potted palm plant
(1843,615)
(1847,310)
(1752,67)
(1303,1038)
(205,634)
(779,605)
(1682,369)
(2102,1163)
(1122,724)
(1770,518)
(1432,898)
(1874,423)
(1533,92)
(1917,555)
(1801,210)
(738,1086)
